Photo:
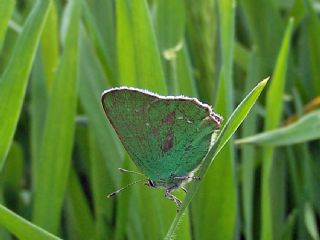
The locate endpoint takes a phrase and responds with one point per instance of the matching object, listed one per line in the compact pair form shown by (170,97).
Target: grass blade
(13,83)
(50,45)
(313,26)
(6,9)
(125,46)
(228,130)
(274,108)
(104,51)
(92,81)
(12,176)
(201,40)
(264,30)
(248,157)
(147,56)
(58,133)
(216,197)
(305,129)
(311,222)
(101,186)
(78,214)
(21,228)
(185,78)
(170,25)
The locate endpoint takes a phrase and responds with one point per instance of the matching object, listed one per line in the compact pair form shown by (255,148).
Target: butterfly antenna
(125,187)
(128,171)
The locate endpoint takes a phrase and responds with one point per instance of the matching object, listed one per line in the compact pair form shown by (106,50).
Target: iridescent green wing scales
(165,136)
(126,111)
(182,135)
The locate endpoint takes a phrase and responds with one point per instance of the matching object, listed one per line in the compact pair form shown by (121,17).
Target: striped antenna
(125,187)
(128,171)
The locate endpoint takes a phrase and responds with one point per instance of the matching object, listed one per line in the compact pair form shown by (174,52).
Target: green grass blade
(275,93)
(148,62)
(80,221)
(239,114)
(92,81)
(218,197)
(39,103)
(305,129)
(101,184)
(264,30)
(6,9)
(169,23)
(227,15)
(185,77)
(103,51)
(242,56)
(50,45)
(13,83)
(21,228)
(201,31)
(12,176)
(58,133)
(313,27)
(228,130)
(290,226)
(274,108)
(248,157)
(125,46)
(311,222)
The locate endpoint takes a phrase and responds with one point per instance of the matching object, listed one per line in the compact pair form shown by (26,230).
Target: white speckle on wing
(189,121)
(148,124)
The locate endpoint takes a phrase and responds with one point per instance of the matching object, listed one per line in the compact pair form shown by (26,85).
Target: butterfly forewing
(164,136)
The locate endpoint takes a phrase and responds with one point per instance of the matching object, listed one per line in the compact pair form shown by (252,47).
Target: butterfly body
(166,137)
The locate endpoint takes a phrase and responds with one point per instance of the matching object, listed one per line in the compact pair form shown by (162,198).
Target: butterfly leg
(185,190)
(172,198)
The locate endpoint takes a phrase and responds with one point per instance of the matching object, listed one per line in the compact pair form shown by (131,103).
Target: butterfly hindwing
(164,136)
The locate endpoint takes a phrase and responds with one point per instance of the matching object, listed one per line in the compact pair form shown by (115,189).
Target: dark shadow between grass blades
(226,133)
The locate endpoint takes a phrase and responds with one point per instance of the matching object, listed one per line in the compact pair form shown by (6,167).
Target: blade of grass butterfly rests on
(228,130)
(166,137)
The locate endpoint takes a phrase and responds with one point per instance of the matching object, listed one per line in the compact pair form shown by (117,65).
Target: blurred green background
(59,156)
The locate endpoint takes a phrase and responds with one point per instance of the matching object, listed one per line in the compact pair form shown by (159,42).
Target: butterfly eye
(151,183)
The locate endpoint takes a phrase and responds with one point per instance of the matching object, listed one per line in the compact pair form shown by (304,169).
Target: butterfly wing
(164,136)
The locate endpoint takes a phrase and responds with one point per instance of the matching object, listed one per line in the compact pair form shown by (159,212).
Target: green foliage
(59,155)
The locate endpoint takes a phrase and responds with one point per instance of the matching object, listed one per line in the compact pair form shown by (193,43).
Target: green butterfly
(167,137)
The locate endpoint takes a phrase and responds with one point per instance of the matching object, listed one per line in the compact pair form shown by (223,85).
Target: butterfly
(167,137)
